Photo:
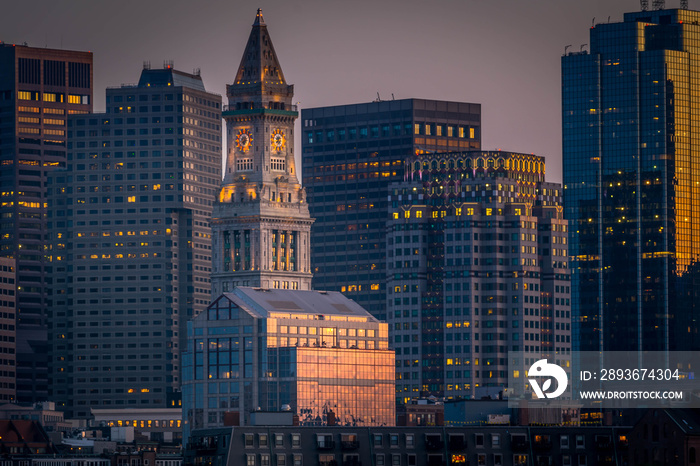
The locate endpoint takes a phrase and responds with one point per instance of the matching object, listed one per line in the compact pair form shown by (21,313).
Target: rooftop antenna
(168,64)
(593,23)
(644,4)
(566,48)
(196,72)
(392,96)
(658,4)
(146,65)
(379,99)
(684,4)
(582,46)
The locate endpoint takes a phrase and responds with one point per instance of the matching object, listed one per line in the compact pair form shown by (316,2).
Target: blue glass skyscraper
(631,137)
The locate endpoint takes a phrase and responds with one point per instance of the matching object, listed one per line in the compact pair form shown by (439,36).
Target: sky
(503,54)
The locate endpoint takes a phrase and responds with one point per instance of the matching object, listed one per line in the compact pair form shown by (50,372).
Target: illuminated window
(419,214)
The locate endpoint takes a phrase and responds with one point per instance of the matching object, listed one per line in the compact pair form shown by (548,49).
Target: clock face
(244,140)
(277,140)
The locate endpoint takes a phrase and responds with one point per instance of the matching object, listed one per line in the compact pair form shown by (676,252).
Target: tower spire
(259,64)
(259,18)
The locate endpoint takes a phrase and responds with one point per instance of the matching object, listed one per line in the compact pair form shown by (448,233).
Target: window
(580,443)
(262,440)
(394,440)
(326,460)
(377,440)
(410,440)
(281,459)
(248,440)
(279,440)
(250,460)
(324,440)
(298,461)
(395,460)
(411,459)
(265,460)
(296,440)
(379,459)
(564,441)
(495,440)
(479,440)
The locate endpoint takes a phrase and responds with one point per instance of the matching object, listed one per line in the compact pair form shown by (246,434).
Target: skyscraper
(8,333)
(632,181)
(477,267)
(39,88)
(131,242)
(261,222)
(350,155)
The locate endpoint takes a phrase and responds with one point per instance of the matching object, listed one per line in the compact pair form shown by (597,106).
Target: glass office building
(350,155)
(315,351)
(632,180)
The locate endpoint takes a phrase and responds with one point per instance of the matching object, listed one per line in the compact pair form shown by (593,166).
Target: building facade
(410,446)
(261,222)
(39,88)
(477,268)
(261,349)
(632,180)
(131,243)
(8,329)
(350,155)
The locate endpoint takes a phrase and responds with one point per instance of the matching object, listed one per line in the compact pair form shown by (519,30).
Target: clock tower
(260,221)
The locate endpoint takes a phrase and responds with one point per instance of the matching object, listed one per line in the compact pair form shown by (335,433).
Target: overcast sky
(503,54)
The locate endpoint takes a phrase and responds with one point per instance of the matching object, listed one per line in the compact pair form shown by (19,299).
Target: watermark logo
(542,368)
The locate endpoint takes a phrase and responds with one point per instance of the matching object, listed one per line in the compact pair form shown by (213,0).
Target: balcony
(325,444)
(519,443)
(543,443)
(603,443)
(433,442)
(457,443)
(349,444)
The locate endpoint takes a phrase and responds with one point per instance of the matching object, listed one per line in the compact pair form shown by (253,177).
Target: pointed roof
(259,64)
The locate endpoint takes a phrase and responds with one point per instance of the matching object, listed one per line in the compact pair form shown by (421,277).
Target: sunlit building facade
(315,351)
(39,88)
(260,222)
(131,242)
(350,155)
(631,148)
(477,267)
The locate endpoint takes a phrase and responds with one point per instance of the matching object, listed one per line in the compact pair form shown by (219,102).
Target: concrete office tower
(8,334)
(631,149)
(350,155)
(131,242)
(38,89)
(261,222)
(477,267)
(261,349)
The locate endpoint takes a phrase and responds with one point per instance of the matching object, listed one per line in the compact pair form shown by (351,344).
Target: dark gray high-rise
(131,242)
(39,88)
(350,155)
